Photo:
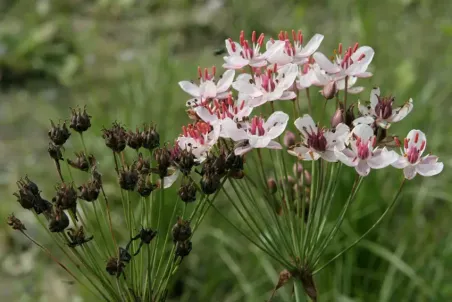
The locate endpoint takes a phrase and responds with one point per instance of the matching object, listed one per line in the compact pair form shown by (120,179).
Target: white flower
(353,63)
(199,138)
(292,52)
(411,161)
(322,78)
(242,54)
(319,142)
(307,76)
(208,88)
(267,87)
(257,133)
(381,111)
(363,155)
(217,112)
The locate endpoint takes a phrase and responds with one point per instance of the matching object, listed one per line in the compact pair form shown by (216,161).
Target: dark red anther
(339,49)
(355,47)
(199,72)
(405,143)
(242,37)
(231,42)
(242,105)
(294,36)
(260,41)
(416,138)
(397,141)
(362,56)
(374,141)
(253,36)
(422,146)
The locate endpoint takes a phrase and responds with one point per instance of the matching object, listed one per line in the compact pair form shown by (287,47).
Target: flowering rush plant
(259,109)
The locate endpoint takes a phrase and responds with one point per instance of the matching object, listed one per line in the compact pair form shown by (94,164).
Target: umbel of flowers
(285,193)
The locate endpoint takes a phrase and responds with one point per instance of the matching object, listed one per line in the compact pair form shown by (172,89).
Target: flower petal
(363,168)
(242,150)
(400,113)
(259,141)
(401,163)
(274,145)
(208,89)
(363,131)
(409,172)
(305,123)
(288,95)
(329,156)
(226,81)
(190,88)
(325,63)
(365,120)
(168,181)
(237,47)
(416,138)
(229,128)
(374,94)
(247,88)
(276,124)
(382,158)
(347,156)
(287,76)
(311,46)
(427,168)
(235,62)
(205,115)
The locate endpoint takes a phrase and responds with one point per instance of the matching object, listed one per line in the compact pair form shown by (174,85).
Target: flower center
(317,140)
(413,153)
(248,52)
(268,82)
(383,109)
(363,149)
(257,126)
(198,131)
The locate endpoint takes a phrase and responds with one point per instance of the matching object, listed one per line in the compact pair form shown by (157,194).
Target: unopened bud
(337,118)
(183,248)
(272,186)
(307,178)
(329,90)
(297,169)
(59,221)
(181,230)
(289,139)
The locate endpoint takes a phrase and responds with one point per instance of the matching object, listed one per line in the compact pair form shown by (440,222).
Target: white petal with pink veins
(274,48)
(280,58)
(429,169)
(325,63)
(276,124)
(288,95)
(238,47)
(311,46)
(382,158)
(362,168)
(400,113)
(226,81)
(363,131)
(329,156)
(409,172)
(305,123)
(287,76)
(190,88)
(258,62)
(230,129)
(416,143)
(346,156)
(301,152)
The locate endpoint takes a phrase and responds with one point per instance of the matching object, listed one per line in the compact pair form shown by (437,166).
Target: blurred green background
(123,59)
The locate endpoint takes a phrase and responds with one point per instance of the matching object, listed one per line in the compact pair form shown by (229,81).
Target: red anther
(206,74)
(219,115)
(405,143)
(422,146)
(231,42)
(294,36)
(184,131)
(275,69)
(300,37)
(286,35)
(199,72)
(242,105)
(236,110)
(281,35)
(305,68)
(339,49)
(416,138)
(253,37)
(362,56)
(374,141)
(261,39)
(242,37)
(230,101)
(355,47)
(216,104)
(397,141)
(272,40)
(214,70)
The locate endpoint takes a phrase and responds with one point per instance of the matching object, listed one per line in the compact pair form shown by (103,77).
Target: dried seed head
(134,139)
(115,138)
(181,230)
(144,186)
(28,193)
(150,137)
(187,192)
(66,197)
(15,223)
(89,191)
(128,178)
(80,120)
(272,186)
(337,118)
(146,235)
(124,255)
(163,158)
(186,161)
(58,221)
(210,183)
(115,267)
(58,133)
(284,277)
(55,151)
(142,165)
(234,164)
(329,90)
(289,139)
(42,206)
(183,248)
(77,237)
(82,162)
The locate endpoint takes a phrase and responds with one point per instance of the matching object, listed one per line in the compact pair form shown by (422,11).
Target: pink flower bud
(271,184)
(337,118)
(289,139)
(307,178)
(297,169)
(329,90)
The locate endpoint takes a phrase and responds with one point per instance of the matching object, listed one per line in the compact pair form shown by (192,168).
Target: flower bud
(307,178)
(151,138)
(134,139)
(329,90)
(55,151)
(144,186)
(183,248)
(89,191)
(15,223)
(58,134)
(128,178)
(115,267)
(187,192)
(58,221)
(297,169)
(272,186)
(82,162)
(80,121)
(181,230)
(289,139)
(337,118)
(66,197)
(115,138)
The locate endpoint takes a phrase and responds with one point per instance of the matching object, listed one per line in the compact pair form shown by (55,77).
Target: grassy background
(124,58)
